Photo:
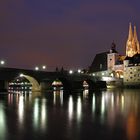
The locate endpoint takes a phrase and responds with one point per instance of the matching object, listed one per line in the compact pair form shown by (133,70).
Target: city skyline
(64,33)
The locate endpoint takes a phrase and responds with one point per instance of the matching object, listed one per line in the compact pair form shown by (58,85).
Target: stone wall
(132,76)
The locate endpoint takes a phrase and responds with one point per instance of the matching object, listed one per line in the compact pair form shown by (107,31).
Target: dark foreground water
(110,115)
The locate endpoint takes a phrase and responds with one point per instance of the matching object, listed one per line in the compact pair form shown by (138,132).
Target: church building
(111,66)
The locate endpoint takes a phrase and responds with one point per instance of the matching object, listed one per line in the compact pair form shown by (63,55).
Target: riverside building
(116,69)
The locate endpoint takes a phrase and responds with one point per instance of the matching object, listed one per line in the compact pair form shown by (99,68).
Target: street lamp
(43,67)
(36,68)
(70,71)
(2,62)
(21,75)
(79,71)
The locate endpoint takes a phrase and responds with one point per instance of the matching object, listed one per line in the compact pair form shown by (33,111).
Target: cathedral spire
(136,40)
(129,43)
(135,34)
(130,49)
(130,35)
(132,44)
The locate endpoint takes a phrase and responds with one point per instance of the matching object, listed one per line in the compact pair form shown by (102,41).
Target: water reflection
(43,114)
(102,105)
(10,99)
(54,114)
(93,104)
(131,127)
(70,108)
(122,102)
(58,97)
(40,114)
(79,109)
(2,122)
(112,101)
(21,109)
(36,113)
(85,93)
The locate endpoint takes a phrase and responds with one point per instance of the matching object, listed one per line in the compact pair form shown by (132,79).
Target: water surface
(110,115)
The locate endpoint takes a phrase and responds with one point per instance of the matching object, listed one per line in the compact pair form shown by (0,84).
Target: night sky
(65,33)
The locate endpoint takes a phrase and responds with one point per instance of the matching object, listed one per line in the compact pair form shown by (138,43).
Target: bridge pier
(76,85)
(46,85)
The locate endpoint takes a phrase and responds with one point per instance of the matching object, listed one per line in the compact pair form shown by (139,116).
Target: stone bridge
(42,80)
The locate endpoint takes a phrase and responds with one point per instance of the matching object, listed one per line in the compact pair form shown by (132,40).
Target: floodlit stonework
(132,44)
(112,64)
(132,76)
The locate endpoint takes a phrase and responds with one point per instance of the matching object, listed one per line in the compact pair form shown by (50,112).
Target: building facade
(113,67)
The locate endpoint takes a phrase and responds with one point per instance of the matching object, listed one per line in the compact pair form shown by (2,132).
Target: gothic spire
(136,40)
(130,35)
(130,49)
(135,34)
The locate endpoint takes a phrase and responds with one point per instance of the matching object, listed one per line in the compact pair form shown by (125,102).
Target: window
(101,66)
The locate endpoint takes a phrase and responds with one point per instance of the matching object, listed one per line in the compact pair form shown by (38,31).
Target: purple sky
(64,33)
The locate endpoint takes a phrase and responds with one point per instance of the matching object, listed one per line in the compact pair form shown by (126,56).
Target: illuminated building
(132,44)
(118,69)
(132,60)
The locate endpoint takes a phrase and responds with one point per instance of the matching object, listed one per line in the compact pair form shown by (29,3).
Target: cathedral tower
(136,42)
(132,44)
(129,46)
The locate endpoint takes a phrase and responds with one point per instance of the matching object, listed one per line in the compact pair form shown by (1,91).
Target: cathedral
(132,44)
(119,69)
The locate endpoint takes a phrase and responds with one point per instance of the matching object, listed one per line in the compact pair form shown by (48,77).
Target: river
(57,115)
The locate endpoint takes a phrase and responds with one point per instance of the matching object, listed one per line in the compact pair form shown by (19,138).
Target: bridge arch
(119,73)
(85,84)
(64,82)
(89,84)
(33,81)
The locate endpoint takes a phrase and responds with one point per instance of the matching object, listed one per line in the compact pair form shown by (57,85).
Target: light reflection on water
(36,113)
(93,104)
(43,115)
(21,109)
(79,109)
(58,97)
(70,108)
(2,122)
(78,115)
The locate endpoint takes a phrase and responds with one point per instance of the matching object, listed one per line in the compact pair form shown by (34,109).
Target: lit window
(101,66)
(111,74)
(93,74)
